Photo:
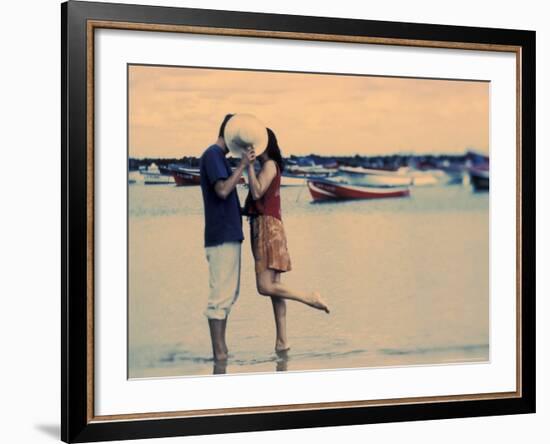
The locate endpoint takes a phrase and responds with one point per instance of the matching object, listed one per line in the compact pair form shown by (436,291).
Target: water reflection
(219,368)
(282,361)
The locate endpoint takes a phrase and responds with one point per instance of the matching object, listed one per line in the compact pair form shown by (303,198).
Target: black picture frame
(76,423)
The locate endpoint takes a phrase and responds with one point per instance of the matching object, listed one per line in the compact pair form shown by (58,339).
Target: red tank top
(270,203)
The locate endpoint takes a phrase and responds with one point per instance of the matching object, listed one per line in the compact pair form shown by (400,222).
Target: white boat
(423,178)
(310,170)
(296,176)
(377,178)
(153,176)
(290,180)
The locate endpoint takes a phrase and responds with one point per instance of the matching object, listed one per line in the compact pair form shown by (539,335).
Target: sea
(406,279)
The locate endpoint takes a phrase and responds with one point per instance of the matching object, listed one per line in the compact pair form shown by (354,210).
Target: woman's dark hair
(222,126)
(273,151)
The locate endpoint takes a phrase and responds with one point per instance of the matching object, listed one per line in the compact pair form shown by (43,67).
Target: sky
(177,111)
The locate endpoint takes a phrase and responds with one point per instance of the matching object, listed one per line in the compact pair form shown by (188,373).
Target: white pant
(224,266)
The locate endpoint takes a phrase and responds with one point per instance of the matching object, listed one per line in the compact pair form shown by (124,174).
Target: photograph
(283,221)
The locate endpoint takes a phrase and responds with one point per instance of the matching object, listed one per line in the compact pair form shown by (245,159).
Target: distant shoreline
(389,161)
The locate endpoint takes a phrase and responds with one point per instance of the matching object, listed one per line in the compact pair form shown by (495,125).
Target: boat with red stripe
(186,176)
(325,189)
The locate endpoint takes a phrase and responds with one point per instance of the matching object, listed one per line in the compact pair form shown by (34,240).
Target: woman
(263,205)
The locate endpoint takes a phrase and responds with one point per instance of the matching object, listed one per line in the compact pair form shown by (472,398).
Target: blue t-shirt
(222,217)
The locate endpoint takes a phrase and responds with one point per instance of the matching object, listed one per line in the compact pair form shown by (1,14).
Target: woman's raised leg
(268,286)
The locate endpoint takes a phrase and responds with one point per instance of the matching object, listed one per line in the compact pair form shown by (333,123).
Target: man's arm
(224,187)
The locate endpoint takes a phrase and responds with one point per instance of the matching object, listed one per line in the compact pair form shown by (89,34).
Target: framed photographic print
(275,221)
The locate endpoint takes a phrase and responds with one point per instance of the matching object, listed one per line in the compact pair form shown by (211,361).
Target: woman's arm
(260,183)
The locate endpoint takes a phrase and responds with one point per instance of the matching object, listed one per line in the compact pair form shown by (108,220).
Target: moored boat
(311,170)
(454,176)
(292,180)
(186,176)
(165,170)
(377,178)
(427,178)
(295,180)
(479,178)
(325,189)
(294,176)
(478,170)
(153,176)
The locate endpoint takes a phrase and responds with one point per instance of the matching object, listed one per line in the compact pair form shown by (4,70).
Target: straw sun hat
(243,131)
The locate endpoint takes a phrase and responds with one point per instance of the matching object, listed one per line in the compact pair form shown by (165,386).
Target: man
(223,235)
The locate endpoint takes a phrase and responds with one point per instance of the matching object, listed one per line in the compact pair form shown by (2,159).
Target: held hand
(244,161)
(251,154)
(248,157)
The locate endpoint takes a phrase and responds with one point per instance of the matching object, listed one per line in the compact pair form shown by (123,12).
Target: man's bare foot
(220,357)
(317,302)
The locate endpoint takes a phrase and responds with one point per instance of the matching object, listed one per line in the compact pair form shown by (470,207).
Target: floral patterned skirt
(269,247)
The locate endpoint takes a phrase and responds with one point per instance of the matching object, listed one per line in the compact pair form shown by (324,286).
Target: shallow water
(407,281)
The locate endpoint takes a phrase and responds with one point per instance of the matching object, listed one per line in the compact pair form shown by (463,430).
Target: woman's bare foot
(281,347)
(317,302)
